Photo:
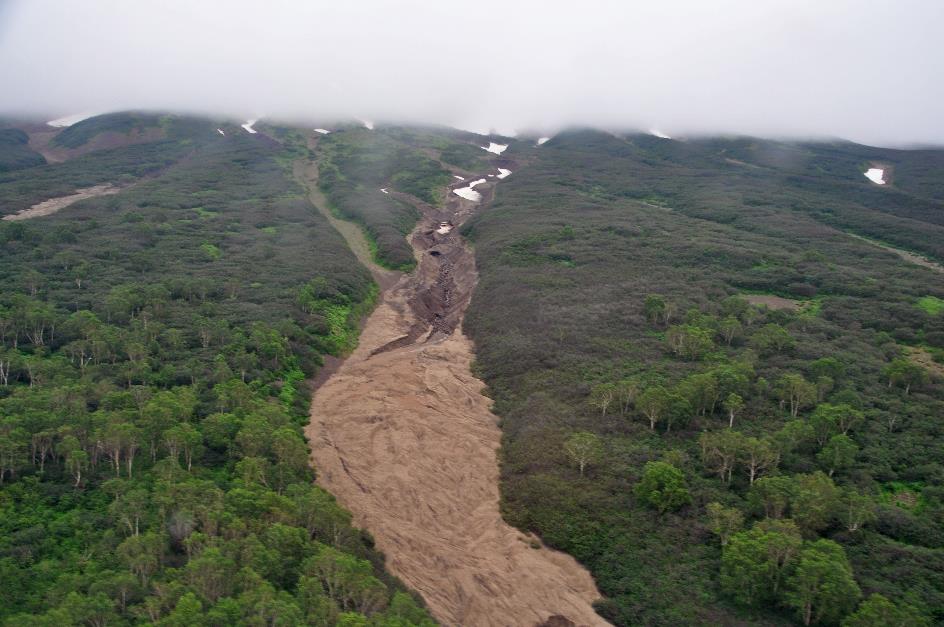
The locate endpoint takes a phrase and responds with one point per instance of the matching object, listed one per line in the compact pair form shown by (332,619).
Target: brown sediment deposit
(403,436)
(48,207)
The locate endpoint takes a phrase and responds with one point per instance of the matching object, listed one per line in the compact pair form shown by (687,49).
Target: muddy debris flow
(402,435)
(52,205)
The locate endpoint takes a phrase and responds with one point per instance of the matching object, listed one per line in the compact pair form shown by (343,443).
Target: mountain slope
(15,153)
(616,277)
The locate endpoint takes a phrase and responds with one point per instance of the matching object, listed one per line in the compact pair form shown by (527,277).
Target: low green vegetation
(154,352)
(457,148)
(712,461)
(465,156)
(931,305)
(211,251)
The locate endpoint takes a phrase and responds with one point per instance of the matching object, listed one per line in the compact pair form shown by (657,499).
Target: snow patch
(468,192)
(876,175)
(368,124)
(220,131)
(658,133)
(323,131)
(542,140)
(248,126)
(495,148)
(456,176)
(384,190)
(502,173)
(444,227)
(69,120)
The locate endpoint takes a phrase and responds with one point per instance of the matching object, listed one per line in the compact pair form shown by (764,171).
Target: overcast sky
(872,71)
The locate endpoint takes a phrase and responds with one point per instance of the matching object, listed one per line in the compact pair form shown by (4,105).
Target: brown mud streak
(53,205)
(403,436)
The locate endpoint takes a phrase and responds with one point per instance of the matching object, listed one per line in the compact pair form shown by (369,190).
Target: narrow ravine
(402,435)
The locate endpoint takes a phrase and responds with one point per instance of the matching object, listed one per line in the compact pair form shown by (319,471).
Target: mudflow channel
(402,435)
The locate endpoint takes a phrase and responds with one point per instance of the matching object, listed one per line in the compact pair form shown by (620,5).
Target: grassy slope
(567,254)
(195,280)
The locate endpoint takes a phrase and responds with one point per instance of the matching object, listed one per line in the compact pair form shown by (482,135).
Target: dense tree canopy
(154,348)
(762,352)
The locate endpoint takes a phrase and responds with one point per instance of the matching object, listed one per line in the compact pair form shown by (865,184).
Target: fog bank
(871,72)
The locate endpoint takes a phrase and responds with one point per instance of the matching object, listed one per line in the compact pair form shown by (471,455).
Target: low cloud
(871,72)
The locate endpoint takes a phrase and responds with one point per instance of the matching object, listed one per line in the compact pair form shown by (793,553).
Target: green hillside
(154,348)
(123,123)
(121,165)
(741,465)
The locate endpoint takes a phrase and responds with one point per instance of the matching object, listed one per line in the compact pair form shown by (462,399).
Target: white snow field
(876,175)
(468,192)
(69,120)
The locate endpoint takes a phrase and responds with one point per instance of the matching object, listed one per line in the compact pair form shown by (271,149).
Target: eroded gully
(403,437)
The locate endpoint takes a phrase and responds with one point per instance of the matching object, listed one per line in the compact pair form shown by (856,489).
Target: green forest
(719,386)
(710,393)
(155,347)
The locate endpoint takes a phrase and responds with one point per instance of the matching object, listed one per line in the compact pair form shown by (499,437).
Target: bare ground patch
(923,358)
(48,207)
(772,302)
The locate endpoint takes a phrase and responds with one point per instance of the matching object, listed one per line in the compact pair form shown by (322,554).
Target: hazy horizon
(798,69)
